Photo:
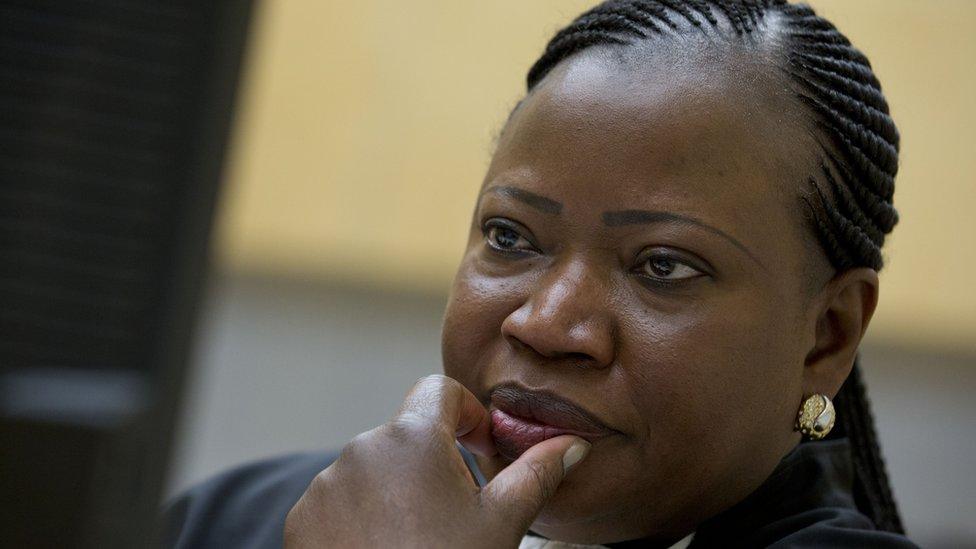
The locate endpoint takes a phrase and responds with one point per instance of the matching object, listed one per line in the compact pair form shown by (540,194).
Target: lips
(522,418)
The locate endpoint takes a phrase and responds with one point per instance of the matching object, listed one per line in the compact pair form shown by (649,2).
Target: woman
(672,261)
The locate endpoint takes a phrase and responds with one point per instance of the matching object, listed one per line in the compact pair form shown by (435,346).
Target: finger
(522,489)
(478,440)
(446,405)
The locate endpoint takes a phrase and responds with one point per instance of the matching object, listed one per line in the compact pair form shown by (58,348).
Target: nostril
(581,358)
(513,341)
(565,329)
(533,347)
(576,358)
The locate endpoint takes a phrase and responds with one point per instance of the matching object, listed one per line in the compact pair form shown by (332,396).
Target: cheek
(718,377)
(472,322)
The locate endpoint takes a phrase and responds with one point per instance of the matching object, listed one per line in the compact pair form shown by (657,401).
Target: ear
(844,310)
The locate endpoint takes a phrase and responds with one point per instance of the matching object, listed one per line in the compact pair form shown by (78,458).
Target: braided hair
(848,200)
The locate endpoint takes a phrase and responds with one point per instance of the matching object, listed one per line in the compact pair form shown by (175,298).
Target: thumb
(521,490)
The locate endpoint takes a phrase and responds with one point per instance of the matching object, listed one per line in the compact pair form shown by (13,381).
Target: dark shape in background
(113,121)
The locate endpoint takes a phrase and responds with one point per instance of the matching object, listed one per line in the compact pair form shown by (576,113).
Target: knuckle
(357,448)
(428,384)
(320,482)
(410,427)
(449,385)
(407,426)
(434,385)
(358,442)
(433,379)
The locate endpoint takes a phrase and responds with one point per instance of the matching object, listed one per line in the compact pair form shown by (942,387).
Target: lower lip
(514,435)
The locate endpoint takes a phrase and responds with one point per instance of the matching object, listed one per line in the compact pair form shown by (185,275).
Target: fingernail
(576,452)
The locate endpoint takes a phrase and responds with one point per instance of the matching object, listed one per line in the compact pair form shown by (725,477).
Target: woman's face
(636,251)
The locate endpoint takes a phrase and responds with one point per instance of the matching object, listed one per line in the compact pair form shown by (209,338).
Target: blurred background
(363,133)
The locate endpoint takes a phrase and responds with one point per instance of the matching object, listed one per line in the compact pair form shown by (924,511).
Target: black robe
(805,502)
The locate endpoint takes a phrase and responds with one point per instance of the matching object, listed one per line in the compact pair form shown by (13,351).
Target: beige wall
(366,126)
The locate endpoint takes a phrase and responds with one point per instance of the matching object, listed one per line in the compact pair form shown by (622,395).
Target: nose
(566,316)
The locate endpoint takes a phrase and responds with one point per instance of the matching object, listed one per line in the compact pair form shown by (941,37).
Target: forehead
(706,131)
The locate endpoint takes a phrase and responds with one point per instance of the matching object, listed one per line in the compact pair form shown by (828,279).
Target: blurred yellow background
(365,128)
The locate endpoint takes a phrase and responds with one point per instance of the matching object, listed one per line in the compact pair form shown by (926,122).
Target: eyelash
(507,225)
(647,256)
(644,256)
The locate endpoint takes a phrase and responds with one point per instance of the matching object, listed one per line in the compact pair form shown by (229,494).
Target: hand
(404,483)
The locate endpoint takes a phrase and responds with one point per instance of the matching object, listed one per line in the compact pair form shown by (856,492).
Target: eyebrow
(539,202)
(643,217)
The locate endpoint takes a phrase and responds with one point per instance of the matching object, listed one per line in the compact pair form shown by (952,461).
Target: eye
(505,236)
(664,267)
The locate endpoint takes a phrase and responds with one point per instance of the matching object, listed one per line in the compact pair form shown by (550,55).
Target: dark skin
(637,248)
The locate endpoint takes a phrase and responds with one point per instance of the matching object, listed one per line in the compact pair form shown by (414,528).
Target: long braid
(849,199)
(872,491)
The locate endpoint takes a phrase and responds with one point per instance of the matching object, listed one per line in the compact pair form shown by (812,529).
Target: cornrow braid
(836,81)
(849,198)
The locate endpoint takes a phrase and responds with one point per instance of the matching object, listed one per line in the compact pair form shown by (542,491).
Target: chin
(583,510)
(591,504)
(597,505)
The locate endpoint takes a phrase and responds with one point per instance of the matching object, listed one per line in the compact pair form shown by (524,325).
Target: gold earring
(816,417)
